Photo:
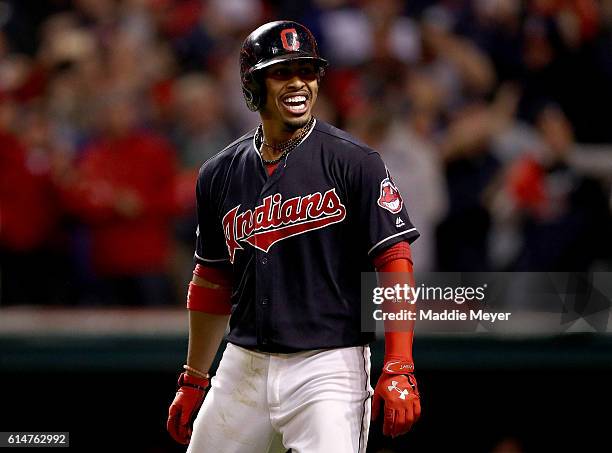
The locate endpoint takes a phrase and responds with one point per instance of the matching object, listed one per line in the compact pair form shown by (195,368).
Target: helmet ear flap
(253,91)
(320,74)
(251,100)
(248,92)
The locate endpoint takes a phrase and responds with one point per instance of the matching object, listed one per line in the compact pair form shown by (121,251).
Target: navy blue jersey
(298,240)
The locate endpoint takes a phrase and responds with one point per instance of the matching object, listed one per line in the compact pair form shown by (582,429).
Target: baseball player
(289,215)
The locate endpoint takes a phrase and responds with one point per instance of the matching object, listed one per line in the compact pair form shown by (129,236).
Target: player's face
(291,89)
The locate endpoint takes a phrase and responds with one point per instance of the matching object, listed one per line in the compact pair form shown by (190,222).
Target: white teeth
(296,99)
(296,103)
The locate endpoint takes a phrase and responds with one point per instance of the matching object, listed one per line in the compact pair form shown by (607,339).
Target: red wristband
(185,380)
(208,300)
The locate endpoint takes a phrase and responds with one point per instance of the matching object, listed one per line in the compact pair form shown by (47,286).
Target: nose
(296,81)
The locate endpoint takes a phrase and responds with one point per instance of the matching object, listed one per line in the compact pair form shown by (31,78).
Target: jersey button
(264,260)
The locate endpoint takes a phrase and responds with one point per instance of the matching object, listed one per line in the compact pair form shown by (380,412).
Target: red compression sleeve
(213,300)
(394,265)
(401,250)
(221,277)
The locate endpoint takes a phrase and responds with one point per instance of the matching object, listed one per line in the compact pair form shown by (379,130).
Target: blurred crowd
(494,117)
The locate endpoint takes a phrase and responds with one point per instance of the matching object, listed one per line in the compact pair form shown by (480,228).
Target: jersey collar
(296,147)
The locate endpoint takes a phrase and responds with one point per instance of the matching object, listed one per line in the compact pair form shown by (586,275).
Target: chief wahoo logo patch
(390,198)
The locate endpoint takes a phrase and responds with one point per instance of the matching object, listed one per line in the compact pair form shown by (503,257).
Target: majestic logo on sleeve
(275,220)
(390,198)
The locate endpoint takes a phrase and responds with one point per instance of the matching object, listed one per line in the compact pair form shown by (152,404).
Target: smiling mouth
(296,104)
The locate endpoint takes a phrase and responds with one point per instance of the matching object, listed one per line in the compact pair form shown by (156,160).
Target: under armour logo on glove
(402,406)
(393,386)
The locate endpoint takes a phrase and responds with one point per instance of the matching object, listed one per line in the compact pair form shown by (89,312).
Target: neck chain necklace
(283,147)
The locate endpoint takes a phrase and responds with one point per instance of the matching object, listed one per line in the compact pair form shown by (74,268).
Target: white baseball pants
(308,402)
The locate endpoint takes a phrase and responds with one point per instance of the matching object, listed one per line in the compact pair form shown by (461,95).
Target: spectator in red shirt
(29,219)
(124,190)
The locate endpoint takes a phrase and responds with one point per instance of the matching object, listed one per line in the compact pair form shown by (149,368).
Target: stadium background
(493,116)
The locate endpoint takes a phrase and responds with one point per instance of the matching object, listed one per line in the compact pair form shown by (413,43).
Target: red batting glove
(184,408)
(400,395)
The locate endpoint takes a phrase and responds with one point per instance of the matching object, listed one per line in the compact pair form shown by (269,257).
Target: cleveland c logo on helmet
(290,40)
(390,198)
